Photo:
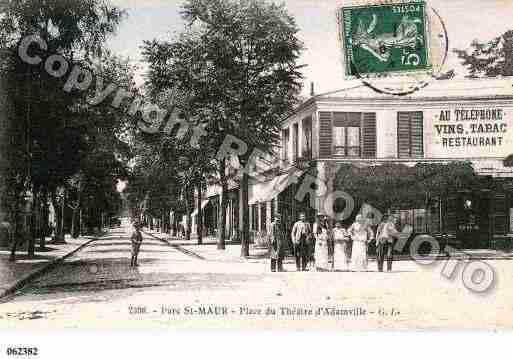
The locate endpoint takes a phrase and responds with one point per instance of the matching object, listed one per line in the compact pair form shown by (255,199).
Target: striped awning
(265,191)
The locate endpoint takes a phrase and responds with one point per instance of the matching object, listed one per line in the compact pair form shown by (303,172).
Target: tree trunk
(236,218)
(189,217)
(221,244)
(33,225)
(199,225)
(16,237)
(81,231)
(59,230)
(74,225)
(44,219)
(244,186)
(58,219)
(63,218)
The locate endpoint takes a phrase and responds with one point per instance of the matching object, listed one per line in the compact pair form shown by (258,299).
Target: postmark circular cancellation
(395,47)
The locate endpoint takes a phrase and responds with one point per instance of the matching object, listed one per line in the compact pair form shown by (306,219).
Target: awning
(203,204)
(265,191)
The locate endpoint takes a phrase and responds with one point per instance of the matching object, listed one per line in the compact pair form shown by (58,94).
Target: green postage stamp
(385,38)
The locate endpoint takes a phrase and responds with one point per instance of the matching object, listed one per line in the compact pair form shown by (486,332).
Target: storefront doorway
(477,217)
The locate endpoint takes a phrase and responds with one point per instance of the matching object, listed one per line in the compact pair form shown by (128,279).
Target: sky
(465,20)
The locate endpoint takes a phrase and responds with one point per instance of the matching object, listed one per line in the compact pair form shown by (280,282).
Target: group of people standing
(338,248)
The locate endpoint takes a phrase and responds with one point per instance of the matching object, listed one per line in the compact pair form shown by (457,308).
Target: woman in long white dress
(361,234)
(322,241)
(340,252)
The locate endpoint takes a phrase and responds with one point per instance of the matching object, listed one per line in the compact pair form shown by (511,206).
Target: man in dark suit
(301,231)
(385,239)
(278,239)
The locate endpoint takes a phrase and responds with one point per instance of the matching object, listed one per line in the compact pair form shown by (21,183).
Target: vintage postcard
(256,164)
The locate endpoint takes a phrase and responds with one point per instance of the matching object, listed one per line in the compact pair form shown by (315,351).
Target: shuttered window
(410,142)
(369,143)
(348,134)
(285,145)
(295,142)
(325,134)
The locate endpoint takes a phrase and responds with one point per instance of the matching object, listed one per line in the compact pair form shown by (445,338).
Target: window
(339,140)
(369,143)
(263,216)
(306,151)
(346,134)
(254,217)
(295,142)
(273,204)
(325,134)
(416,218)
(285,144)
(410,143)
(500,214)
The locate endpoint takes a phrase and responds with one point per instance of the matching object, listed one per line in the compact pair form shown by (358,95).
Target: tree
(236,60)
(167,170)
(490,59)
(49,123)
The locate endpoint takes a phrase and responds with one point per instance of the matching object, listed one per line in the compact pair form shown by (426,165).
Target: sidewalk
(14,275)
(209,251)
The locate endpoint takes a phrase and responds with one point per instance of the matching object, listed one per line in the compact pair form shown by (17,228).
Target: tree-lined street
(94,144)
(96,289)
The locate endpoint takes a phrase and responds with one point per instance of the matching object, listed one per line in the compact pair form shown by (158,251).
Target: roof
(453,88)
(458,89)
(436,89)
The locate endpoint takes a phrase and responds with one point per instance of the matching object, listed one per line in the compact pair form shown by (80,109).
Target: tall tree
(48,119)
(491,58)
(237,60)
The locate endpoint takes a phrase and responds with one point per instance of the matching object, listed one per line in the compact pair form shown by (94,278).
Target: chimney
(312,92)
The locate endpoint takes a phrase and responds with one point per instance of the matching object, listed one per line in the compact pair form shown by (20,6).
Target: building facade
(448,121)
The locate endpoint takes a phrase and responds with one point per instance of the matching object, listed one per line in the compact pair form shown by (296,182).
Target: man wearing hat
(277,244)
(386,235)
(301,232)
(136,240)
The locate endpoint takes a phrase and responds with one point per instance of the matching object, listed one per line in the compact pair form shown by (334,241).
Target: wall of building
(445,124)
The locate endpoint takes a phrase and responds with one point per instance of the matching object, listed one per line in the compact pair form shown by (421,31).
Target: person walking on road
(136,240)
(278,238)
(300,234)
(385,238)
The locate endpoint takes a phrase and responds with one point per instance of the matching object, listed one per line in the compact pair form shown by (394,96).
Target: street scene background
(211,124)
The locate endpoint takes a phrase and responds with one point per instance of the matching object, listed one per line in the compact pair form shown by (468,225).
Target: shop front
(458,123)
